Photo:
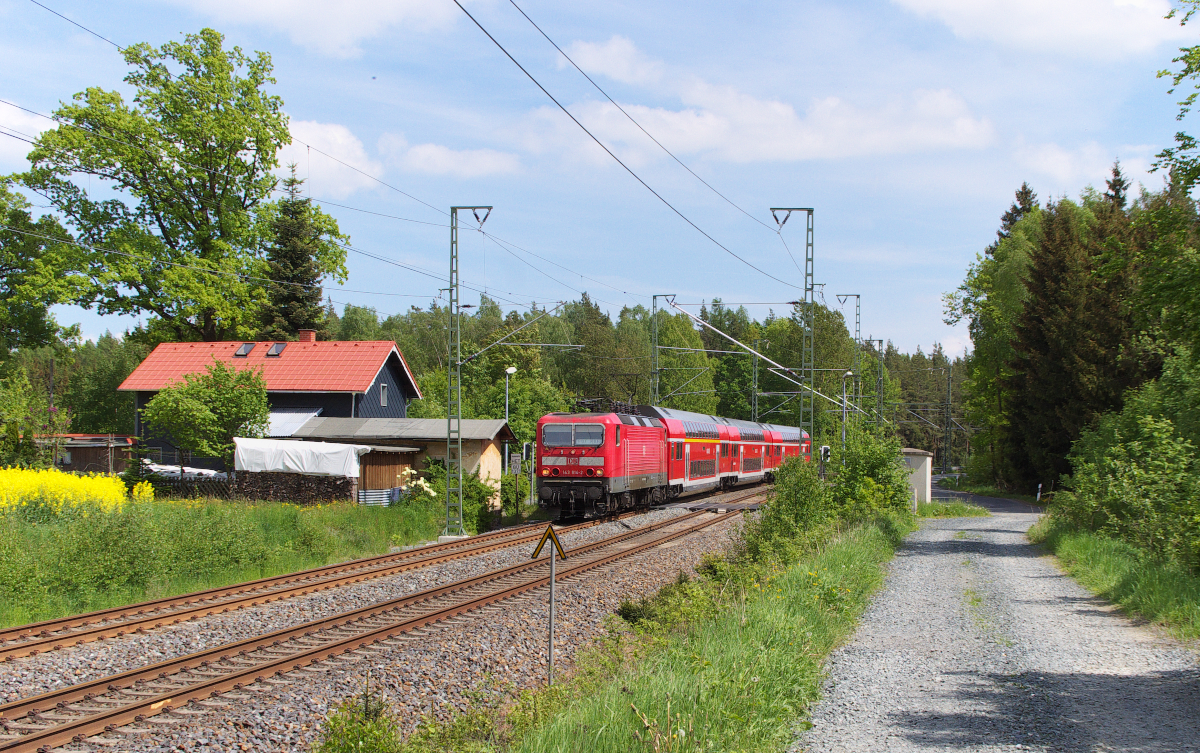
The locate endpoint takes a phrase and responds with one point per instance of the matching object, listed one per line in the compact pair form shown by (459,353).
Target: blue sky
(907,124)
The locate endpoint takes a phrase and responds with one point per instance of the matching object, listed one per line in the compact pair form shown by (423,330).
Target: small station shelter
(920,473)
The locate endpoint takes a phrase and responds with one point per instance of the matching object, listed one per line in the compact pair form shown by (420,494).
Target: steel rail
(158,702)
(34,638)
(137,618)
(17,632)
(21,707)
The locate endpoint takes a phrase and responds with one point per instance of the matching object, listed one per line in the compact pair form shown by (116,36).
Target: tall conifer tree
(1073,341)
(294,291)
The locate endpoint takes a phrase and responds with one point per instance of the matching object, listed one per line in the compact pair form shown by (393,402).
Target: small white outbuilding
(920,474)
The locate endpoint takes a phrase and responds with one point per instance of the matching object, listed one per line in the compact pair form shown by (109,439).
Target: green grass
(950,510)
(1115,570)
(732,657)
(61,566)
(740,678)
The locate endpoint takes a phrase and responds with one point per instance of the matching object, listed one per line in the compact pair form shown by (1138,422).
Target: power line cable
(608,151)
(179,265)
(542,271)
(372,177)
(89,31)
(632,120)
(424,203)
(495,238)
(279,190)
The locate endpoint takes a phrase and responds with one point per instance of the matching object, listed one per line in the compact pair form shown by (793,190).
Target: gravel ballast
(978,642)
(30,676)
(499,649)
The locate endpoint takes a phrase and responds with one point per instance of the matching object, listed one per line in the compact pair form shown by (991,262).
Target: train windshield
(589,435)
(573,435)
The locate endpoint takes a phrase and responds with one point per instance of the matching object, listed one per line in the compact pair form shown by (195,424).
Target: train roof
(683,415)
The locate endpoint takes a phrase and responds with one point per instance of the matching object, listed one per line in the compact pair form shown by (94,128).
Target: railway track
(75,713)
(32,639)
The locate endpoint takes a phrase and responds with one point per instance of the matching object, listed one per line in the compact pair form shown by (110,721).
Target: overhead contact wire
(632,120)
(610,153)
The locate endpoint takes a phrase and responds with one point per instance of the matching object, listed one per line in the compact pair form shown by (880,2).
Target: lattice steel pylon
(948,440)
(654,350)
(754,387)
(454,470)
(857,367)
(878,381)
(807,316)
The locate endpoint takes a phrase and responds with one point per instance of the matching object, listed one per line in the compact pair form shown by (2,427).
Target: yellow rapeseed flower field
(59,491)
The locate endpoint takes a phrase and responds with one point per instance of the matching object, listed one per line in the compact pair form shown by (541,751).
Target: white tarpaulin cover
(308,458)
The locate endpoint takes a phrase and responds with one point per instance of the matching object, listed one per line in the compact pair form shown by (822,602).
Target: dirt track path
(979,643)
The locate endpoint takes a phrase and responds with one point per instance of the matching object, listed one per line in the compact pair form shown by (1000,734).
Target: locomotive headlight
(599,471)
(545,471)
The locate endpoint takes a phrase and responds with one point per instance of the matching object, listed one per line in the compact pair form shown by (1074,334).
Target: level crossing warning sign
(549,535)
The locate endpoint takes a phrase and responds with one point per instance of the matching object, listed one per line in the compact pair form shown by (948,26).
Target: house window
(243,350)
(383,396)
(276,350)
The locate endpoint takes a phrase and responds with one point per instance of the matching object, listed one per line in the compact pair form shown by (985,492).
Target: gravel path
(434,672)
(978,642)
(29,676)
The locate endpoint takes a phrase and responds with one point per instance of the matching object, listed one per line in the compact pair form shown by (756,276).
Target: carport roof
(366,430)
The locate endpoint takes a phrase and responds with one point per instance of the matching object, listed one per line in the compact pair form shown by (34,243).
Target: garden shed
(400,443)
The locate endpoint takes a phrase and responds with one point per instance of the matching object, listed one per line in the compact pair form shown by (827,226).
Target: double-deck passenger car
(599,463)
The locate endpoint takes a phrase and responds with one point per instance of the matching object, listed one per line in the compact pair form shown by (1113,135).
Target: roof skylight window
(244,350)
(276,350)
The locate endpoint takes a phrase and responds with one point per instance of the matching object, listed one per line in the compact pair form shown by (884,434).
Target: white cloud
(1095,27)
(1089,163)
(617,59)
(18,126)
(435,159)
(325,177)
(722,123)
(956,344)
(331,28)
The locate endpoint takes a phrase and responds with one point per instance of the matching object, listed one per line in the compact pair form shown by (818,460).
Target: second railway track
(77,712)
(32,639)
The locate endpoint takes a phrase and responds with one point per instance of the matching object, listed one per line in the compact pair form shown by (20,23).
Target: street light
(845,376)
(507,373)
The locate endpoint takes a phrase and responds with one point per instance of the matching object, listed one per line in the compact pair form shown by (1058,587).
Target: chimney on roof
(307,335)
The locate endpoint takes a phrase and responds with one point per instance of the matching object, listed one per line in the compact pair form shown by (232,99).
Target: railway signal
(550,535)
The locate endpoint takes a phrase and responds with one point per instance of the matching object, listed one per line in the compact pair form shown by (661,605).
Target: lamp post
(507,373)
(845,376)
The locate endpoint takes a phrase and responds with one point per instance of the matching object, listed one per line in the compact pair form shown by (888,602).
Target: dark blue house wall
(398,397)
(332,404)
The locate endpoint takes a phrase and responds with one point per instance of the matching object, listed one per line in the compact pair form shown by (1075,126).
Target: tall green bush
(1141,485)
(478,515)
(872,484)
(873,479)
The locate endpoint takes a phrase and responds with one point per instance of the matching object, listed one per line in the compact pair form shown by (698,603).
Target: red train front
(601,463)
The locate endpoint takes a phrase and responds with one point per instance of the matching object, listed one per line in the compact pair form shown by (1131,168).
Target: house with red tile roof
(305,379)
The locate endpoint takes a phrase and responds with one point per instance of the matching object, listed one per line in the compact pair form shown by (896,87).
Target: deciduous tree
(204,412)
(190,161)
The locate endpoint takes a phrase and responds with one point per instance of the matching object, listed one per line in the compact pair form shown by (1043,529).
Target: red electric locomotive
(599,463)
